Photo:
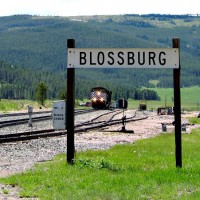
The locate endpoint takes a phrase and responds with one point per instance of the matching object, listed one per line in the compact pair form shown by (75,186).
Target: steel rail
(23,113)
(52,133)
(95,118)
(30,135)
(14,122)
(102,124)
(22,121)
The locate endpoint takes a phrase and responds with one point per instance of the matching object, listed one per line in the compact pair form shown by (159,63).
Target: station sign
(59,115)
(123,58)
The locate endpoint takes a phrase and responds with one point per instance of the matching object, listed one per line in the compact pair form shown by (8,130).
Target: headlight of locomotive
(94,99)
(98,93)
(101,99)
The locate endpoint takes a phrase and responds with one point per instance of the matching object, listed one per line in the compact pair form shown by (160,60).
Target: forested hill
(21,83)
(39,43)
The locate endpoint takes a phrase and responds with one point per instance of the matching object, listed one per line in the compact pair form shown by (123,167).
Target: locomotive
(100,97)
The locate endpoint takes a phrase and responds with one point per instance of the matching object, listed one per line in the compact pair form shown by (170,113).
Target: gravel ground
(20,156)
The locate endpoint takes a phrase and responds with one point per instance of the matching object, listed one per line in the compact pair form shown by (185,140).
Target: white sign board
(123,58)
(59,115)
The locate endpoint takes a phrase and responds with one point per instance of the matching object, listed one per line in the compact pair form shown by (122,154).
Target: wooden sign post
(122,58)
(177,108)
(70,108)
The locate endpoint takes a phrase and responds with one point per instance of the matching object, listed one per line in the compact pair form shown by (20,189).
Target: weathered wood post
(177,107)
(70,108)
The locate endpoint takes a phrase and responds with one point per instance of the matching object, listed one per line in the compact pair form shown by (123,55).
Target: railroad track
(23,121)
(77,111)
(14,122)
(82,127)
(30,135)
(22,114)
(93,124)
(83,111)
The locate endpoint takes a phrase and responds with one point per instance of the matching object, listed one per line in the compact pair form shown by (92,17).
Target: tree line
(23,83)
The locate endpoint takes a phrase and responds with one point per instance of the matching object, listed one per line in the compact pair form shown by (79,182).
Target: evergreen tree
(41,93)
(63,94)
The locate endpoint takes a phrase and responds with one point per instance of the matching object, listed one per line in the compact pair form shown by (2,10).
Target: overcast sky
(97,7)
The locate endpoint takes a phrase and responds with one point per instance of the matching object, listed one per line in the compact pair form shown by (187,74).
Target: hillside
(39,44)
(21,83)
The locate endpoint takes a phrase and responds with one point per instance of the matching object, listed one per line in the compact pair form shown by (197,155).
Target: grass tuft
(97,164)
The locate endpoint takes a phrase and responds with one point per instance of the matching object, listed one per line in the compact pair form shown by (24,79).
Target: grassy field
(7,105)
(190,98)
(143,170)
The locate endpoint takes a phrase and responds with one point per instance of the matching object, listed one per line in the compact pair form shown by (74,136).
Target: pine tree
(41,93)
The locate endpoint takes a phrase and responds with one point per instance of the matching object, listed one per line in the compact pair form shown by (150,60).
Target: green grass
(144,170)
(194,120)
(17,105)
(7,105)
(151,105)
(190,98)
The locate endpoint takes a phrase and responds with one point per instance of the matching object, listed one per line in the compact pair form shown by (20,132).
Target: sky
(97,7)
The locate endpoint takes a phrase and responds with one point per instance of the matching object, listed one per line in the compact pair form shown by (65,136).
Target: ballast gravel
(20,156)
